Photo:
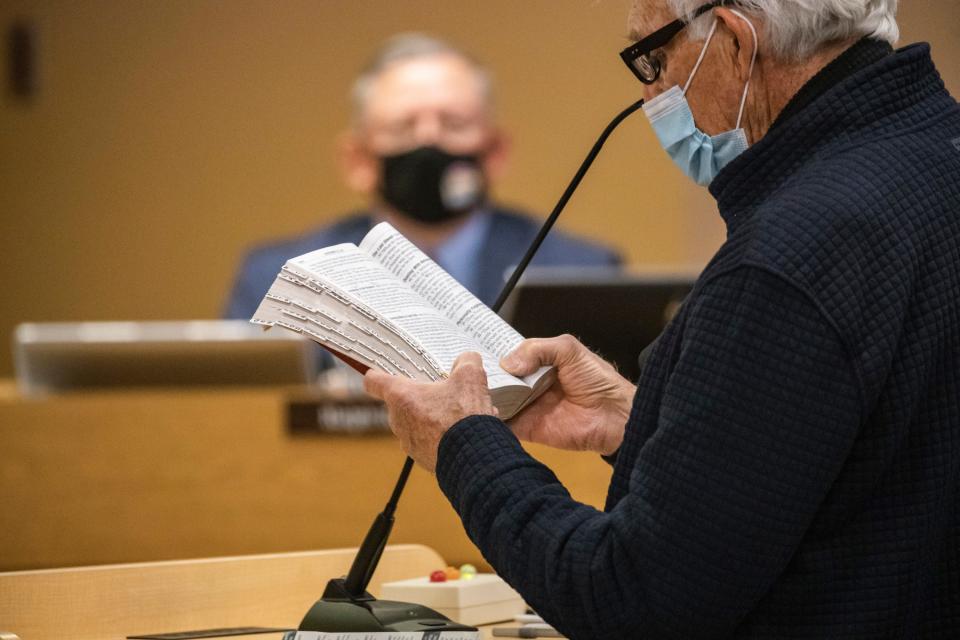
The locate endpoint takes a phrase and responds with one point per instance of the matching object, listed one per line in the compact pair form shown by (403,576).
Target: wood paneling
(124,477)
(95,603)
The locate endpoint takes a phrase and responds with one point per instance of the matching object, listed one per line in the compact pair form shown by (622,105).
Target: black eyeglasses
(637,56)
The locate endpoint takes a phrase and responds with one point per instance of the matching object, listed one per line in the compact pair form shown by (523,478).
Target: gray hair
(406,47)
(795,29)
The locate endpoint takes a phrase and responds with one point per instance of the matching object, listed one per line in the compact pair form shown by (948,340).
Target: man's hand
(585,410)
(421,412)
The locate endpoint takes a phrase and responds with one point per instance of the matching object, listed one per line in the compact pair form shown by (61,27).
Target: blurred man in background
(424,147)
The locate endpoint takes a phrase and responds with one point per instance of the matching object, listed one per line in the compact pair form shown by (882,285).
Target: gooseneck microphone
(561,203)
(368,555)
(338,610)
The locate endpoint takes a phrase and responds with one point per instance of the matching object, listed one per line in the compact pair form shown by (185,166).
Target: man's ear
(744,37)
(497,156)
(360,168)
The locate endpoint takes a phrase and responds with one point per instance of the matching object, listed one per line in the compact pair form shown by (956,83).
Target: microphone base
(339,612)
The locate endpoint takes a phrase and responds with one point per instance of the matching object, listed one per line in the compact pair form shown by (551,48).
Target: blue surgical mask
(698,155)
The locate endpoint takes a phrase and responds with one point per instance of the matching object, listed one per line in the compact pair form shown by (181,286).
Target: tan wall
(167,136)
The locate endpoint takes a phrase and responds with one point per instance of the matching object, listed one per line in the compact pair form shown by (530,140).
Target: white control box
(483,600)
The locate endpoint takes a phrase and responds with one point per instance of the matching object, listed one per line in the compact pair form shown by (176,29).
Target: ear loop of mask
(703,54)
(753,60)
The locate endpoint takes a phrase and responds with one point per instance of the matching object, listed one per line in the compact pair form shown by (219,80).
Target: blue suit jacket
(509,235)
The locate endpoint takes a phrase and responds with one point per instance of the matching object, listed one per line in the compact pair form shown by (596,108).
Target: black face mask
(432,186)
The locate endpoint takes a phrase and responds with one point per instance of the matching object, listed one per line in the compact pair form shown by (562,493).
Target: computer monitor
(616,314)
(56,357)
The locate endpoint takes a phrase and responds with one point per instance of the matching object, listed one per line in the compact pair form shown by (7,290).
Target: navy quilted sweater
(791,466)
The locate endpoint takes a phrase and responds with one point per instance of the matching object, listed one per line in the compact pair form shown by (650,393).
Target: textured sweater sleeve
(757,417)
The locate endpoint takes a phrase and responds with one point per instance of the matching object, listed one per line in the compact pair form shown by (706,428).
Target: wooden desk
(116,477)
(111,602)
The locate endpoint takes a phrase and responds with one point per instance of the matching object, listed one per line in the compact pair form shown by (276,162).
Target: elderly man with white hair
(788,464)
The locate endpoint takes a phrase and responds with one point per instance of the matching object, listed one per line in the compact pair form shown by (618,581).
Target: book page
(370,282)
(408,263)
(344,325)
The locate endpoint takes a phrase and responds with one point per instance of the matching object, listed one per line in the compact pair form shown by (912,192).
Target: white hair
(795,29)
(406,47)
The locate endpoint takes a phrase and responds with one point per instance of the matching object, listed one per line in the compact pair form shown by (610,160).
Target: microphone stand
(346,606)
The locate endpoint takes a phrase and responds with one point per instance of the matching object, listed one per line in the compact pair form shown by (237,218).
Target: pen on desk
(528,618)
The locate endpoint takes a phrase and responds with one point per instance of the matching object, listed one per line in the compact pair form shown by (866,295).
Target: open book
(386,304)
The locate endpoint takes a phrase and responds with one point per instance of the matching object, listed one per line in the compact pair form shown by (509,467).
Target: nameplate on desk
(209,633)
(388,635)
(336,416)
